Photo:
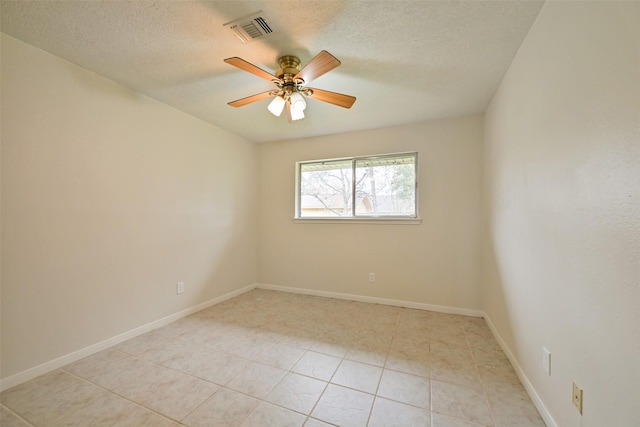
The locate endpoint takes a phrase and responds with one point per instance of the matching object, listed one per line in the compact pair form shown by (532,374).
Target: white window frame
(387,219)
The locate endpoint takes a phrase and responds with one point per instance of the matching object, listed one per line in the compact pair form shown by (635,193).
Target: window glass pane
(386,186)
(325,189)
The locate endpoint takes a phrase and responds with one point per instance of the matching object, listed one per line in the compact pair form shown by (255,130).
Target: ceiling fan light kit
(296,114)
(290,81)
(297,101)
(276,106)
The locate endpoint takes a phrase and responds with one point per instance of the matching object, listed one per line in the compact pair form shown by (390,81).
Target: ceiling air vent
(250,28)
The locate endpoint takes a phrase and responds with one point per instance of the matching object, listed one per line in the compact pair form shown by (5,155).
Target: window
(359,187)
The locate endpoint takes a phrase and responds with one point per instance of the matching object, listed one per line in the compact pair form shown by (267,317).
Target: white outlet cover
(546,360)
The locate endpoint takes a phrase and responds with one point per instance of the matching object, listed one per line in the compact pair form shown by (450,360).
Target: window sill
(378,221)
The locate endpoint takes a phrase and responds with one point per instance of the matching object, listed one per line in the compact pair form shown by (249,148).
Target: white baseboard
(375,300)
(535,398)
(21,377)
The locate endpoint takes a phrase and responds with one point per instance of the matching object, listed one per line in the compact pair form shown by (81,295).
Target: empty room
(320,213)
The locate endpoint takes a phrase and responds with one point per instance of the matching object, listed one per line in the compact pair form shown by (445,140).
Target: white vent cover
(250,28)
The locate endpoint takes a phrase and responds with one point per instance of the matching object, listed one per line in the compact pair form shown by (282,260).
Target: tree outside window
(376,186)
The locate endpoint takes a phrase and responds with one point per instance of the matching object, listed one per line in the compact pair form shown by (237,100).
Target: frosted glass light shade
(276,106)
(296,114)
(297,101)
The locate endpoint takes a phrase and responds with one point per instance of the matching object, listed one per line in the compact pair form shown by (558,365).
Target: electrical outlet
(577,398)
(180,288)
(546,360)
(372,277)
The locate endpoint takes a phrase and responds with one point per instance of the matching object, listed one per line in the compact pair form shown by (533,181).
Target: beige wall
(108,200)
(562,197)
(435,262)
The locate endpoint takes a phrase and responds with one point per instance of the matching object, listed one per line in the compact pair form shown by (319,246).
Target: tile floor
(270,358)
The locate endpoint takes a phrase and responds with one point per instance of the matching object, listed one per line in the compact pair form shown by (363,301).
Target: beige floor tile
(476,340)
(405,388)
(311,422)
(29,395)
(410,316)
(457,371)
(477,325)
(514,411)
(331,345)
(9,419)
(58,398)
(416,333)
(443,323)
(386,311)
(450,339)
(369,347)
(409,361)
(272,332)
(317,365)
(450,351)
(497,391)
(414,360)
(383,324)
(281,356)
(365,330)
(485,356)
(373,337)
(168,392)
(209,332)
(213,366)
(511,404)
(359,376)
(368,354)
(141,343)
(410,341)
(241,345)
(267,414)
(296,336)
(297,392)
(138,416)
(443,327)
(447,317)
(256,380)
(441,420)
(226,408)
(103,406)
(490,375)
(169,349)
(387,413)
(343,406)
(467,403)
(476,328)
(185,325)
(109,369)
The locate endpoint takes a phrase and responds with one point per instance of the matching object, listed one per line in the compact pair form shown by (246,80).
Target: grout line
(117,394)
(18,416)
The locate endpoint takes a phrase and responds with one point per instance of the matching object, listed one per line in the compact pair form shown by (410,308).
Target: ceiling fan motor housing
(288,65)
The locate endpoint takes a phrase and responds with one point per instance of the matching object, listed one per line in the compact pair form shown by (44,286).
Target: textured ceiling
(405,61)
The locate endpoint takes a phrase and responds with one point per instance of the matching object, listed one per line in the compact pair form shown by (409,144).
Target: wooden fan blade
(250,68)
(321,64)
(250,99)
(334,98)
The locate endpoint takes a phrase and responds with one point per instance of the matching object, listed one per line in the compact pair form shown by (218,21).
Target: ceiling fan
(291,84)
